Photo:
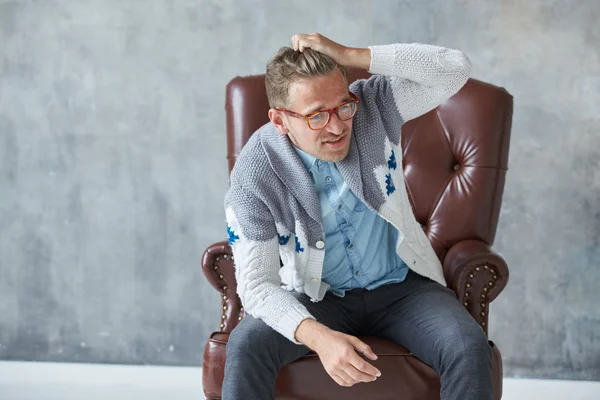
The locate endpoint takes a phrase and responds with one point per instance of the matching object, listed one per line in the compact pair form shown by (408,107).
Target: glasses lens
(319,120)
(346,111)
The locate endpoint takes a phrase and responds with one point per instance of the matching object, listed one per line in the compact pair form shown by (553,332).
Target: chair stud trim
(481,314)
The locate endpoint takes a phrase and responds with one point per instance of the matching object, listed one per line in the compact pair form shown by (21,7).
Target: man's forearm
(426,64)
(309,333)
(357,58)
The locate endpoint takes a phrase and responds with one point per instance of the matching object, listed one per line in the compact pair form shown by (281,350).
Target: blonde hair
(288,65)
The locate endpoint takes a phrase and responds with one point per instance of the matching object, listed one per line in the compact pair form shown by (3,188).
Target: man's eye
(317,117)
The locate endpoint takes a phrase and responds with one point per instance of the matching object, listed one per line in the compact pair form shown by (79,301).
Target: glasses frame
(330,111)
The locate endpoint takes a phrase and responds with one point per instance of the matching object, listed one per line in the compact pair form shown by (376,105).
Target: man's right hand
(338,353)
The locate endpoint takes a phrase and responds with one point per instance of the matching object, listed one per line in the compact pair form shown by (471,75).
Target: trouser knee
(473,353)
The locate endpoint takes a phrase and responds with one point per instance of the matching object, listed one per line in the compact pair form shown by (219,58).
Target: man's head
(302,83)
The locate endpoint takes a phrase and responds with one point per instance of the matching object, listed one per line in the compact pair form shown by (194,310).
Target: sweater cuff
(290,321)
(382,59)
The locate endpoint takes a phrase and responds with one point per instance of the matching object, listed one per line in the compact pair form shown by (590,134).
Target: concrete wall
(112,167)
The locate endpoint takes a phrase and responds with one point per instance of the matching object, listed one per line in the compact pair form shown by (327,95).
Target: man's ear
(277,120)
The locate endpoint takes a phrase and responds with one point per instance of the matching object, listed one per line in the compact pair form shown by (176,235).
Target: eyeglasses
(320,119)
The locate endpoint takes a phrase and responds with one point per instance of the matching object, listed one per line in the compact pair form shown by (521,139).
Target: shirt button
(320,244)
(357,273)
(350,246)
(328,179)
(340,207)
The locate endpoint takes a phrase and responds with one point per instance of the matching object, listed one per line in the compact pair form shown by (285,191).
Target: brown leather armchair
(455,162)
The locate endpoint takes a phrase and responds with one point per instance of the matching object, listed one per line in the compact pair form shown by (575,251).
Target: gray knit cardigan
(273,211)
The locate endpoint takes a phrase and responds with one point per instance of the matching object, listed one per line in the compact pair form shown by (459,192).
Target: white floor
(52,381)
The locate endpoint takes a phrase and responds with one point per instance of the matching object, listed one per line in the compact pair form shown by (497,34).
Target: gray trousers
(419,314)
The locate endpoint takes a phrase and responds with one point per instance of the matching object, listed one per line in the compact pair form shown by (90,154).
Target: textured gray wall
(112,167)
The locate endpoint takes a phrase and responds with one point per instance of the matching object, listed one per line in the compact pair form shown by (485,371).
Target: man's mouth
(335,143)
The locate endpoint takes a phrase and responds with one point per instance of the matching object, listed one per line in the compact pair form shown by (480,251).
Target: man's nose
(335,125)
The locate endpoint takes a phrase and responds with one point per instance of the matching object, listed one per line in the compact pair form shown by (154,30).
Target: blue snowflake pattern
(392,161)
(389,185)
(232,236)
(283,240)
(299,249)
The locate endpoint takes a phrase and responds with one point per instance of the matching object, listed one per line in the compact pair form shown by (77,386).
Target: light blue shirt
(360,246)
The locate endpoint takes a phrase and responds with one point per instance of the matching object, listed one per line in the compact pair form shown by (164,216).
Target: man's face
(330,143)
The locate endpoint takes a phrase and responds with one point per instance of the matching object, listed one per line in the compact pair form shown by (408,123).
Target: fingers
(365,372)
(342,379)
(302,41)
(363,348)
(299,42)
(369,353)
(357,375)
(349,375)
(361,364)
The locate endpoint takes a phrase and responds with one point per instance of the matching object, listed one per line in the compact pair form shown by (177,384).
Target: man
(321,188)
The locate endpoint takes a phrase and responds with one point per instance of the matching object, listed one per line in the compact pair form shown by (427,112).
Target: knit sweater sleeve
(255,244)
(420,76)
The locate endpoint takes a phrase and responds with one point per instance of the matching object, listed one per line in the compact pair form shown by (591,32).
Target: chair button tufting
(456,167)
(320,244)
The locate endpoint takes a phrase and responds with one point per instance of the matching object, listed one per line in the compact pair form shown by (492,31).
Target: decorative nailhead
(239,318)
(482,314)
(221,276)
(218,258)
(471,276)
(467,294)
(224,316)
(491,283)
(482,305)
(468,285)
(495,277)
(477,268)
(485,266)
(483,323)
(242,309)
(216,267)
(483,295)
(222,325)
(224,297)
(485,289)
(225,256)
(224,287)
(492,271)
(224,307)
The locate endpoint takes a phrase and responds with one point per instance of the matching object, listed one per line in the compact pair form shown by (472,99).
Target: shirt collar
(308,160)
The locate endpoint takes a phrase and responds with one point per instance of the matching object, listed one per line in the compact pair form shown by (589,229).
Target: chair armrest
(219,269)
(477,274)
